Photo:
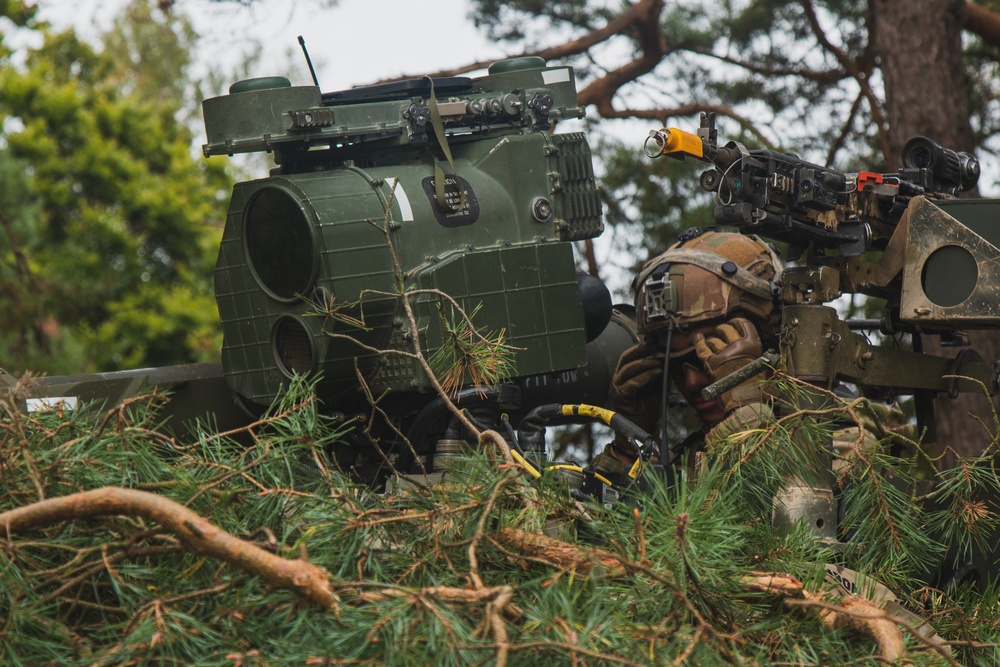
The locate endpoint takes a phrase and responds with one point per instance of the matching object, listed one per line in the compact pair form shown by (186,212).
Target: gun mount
(903,237)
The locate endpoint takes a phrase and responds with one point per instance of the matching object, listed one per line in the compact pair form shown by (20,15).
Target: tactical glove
(727,348)
(637,385)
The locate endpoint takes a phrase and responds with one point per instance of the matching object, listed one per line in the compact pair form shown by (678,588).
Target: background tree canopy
(111,222)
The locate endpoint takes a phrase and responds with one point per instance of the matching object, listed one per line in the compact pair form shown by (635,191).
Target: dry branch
(558,553)
(983,22)
(196,534)
(853,612)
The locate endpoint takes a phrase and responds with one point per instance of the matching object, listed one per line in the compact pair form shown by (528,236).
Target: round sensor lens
(293,347)
(279,243)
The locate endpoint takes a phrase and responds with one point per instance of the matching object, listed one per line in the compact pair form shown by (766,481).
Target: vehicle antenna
(305,52)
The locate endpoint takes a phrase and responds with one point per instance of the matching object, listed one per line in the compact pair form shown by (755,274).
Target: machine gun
(903,237)
(782,197)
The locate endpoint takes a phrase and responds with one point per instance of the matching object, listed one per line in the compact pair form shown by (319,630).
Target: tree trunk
(919,43)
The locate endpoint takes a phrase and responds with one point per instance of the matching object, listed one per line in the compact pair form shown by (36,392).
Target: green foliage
(153,53)
(28,335)
(888,531)
(19,13)
(966,509)
(116,219)
(513,20)
(467,356)
(420,575)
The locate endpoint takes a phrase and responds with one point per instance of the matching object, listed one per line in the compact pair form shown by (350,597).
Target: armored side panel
(952,268)
(302,243)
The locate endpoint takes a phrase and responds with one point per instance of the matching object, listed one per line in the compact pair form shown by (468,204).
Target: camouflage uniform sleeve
(878,421)
(745,417)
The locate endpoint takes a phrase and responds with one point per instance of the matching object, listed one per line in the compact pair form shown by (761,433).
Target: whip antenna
(309,61)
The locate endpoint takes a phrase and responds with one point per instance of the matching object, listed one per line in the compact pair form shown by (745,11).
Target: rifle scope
(944,168)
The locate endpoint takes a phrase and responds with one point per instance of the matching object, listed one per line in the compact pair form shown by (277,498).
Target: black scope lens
(923,153)
(951,170)
(921,157)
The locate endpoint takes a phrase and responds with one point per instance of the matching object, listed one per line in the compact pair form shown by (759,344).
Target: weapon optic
(785,198)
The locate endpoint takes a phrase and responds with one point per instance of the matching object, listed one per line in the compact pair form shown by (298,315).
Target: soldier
(709,303)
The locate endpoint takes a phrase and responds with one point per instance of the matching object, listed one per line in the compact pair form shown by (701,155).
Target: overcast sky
(352,43)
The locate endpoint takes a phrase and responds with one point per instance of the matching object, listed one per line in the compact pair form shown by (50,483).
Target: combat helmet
(709,276)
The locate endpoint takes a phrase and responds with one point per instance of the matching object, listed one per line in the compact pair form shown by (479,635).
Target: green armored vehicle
(455,190)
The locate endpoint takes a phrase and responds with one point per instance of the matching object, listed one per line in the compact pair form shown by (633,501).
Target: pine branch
(488,436)
(983,22)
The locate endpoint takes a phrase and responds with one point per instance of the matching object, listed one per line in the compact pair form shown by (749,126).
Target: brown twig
(410,515)
(197,535)
(91,569)
(614,26)
(235,472)
(377,409)
(561,554)
(481,530)
(485,436)
(640,531)
(861,73)
(572,649)
(853,612)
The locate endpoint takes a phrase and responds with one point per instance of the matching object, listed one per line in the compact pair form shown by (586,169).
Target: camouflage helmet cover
(708,276)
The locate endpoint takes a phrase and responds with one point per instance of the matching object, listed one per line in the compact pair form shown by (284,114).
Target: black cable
(665,458)
(664,448)
(511,435)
